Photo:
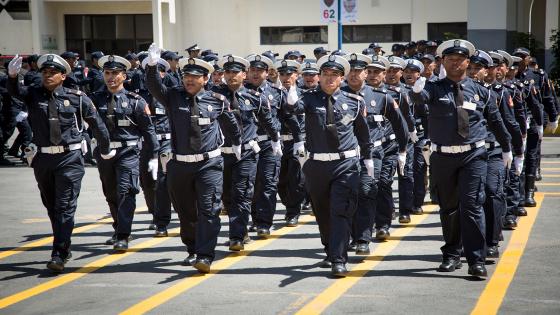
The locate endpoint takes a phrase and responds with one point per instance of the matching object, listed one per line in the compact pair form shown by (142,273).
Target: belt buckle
(456,149)
(191,158)
(57,149)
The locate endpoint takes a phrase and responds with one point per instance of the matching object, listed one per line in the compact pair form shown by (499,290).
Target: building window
(112,34)
(443,31)
(17,9)
(294,35)
(383,33)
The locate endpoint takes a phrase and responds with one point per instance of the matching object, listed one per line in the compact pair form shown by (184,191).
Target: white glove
(540,131)
(442,72)
(551,126)
(518,164)
(14,66)
(292,95)
(413,136)
(154,54)
(276,148)
(110,155)
(419,85)
(237,151)
(153,167)
(21,116)
(508,158)
(402,162)
(426,153)
(524,143)
(369,167)
(299,148)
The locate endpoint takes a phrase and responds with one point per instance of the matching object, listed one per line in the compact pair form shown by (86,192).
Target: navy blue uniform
(127,117)
(336,134)
(195,172)
(59,166)
(459,164)
(251,109)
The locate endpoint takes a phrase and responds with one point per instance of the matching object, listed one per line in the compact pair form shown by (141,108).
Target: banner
(349,11)
(329,11)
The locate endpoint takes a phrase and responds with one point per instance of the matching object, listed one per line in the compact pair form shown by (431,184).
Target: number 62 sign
(329,11)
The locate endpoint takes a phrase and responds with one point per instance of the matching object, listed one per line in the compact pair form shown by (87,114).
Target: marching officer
(337,135)
(127,117)
(57,115)
(458,107)
(195,167)
(310,75)
(252,111)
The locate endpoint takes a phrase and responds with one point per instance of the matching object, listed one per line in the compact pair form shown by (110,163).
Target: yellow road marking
(48,240)
(548,184)
(340,286)
(550,175)
(495,291)
(89,268)
(551,193)
(550,162)
(192,281)
(550,169)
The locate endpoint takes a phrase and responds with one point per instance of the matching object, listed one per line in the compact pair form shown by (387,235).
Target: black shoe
(113,240)
(492,252)
(339,270)
(450,264)
(190,260)
(306,206)
(382,234)
(263,232)
(521,212)
(325,263)
(404,218)
(161,232)
(362,249)
(152,226)
(509,224)
(352,247)
(252,228)
(120,245)
(293,221)
(203,265)
(236,245)
(56,264)
(478,270)
(5,162)
(417,210)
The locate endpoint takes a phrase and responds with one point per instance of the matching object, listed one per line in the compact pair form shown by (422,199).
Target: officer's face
(114,79)
(194,83)
(501,71)
(511,73)
(330,80)
(288,79)
(272,74)
(217,77)
(491,74)
(173,64)
(52,78)
(476,71)
(257,76)
(375,76)
(356,78)
(429,67)
(410,76)
(393,76)
(310,80)
(455,65)
(234,79)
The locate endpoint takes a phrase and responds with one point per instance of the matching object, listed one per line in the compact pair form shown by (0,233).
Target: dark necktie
(111,113)
(462,114)
(195,142)
(237,111)
(55,134)
(332,138)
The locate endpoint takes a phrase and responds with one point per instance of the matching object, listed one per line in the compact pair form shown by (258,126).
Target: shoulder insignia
(498,86)
(394,88)
(541,71)
(219,96)
(76,92)
(133,95)
(354,96)
(253,92)
(379,90)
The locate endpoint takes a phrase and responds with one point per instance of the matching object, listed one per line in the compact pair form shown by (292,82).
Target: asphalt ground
(279,275)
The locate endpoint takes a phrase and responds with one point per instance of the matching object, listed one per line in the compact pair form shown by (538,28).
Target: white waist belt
(334,156)
(262,138)
(121,144)
(61,148)
(457,148)
(389,138)
(377,143)
(163,136)
(492,145)
(287,137)
(229,150)
(193,158)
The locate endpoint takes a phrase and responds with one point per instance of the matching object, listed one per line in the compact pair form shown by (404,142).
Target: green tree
(555,49)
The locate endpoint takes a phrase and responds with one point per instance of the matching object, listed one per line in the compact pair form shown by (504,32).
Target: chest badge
(66,103)
(372,103)
(247,102)
(124,104)
(270,97)
(209,108)
(344,106)
(476,97)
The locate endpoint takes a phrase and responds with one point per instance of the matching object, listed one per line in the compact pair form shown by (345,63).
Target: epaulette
(75,92)
(394,88)
(541,71)
(379,90)
(133,95)
(354,96)
(219,96)
(498,86)
(253,92)
(526,82)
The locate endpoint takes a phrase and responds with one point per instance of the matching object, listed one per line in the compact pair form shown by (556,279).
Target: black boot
(530,192)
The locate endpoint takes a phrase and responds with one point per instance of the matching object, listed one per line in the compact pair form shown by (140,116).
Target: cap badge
(457,43)
(191,61)
(391,58)
(111,58)
(476,53)
(258,58)
(284,63)
(308,65)
(50,58)
(353,57)
(375,58)
(230,59)
(332,58)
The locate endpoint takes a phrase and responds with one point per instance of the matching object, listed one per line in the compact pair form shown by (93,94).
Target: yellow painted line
(192,281)
(551,193)
(550,169)
(320,303)
(548,184)
(550,175)
(493,295)
(48,240)
(75,275)
(550,162)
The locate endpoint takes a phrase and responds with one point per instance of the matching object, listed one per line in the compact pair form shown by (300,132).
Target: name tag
(378,118)
(469,105)
(123,123)
(160,111)
(203,121)
(445,99)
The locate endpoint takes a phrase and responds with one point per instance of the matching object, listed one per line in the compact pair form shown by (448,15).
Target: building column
(157,23)
(35,8)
